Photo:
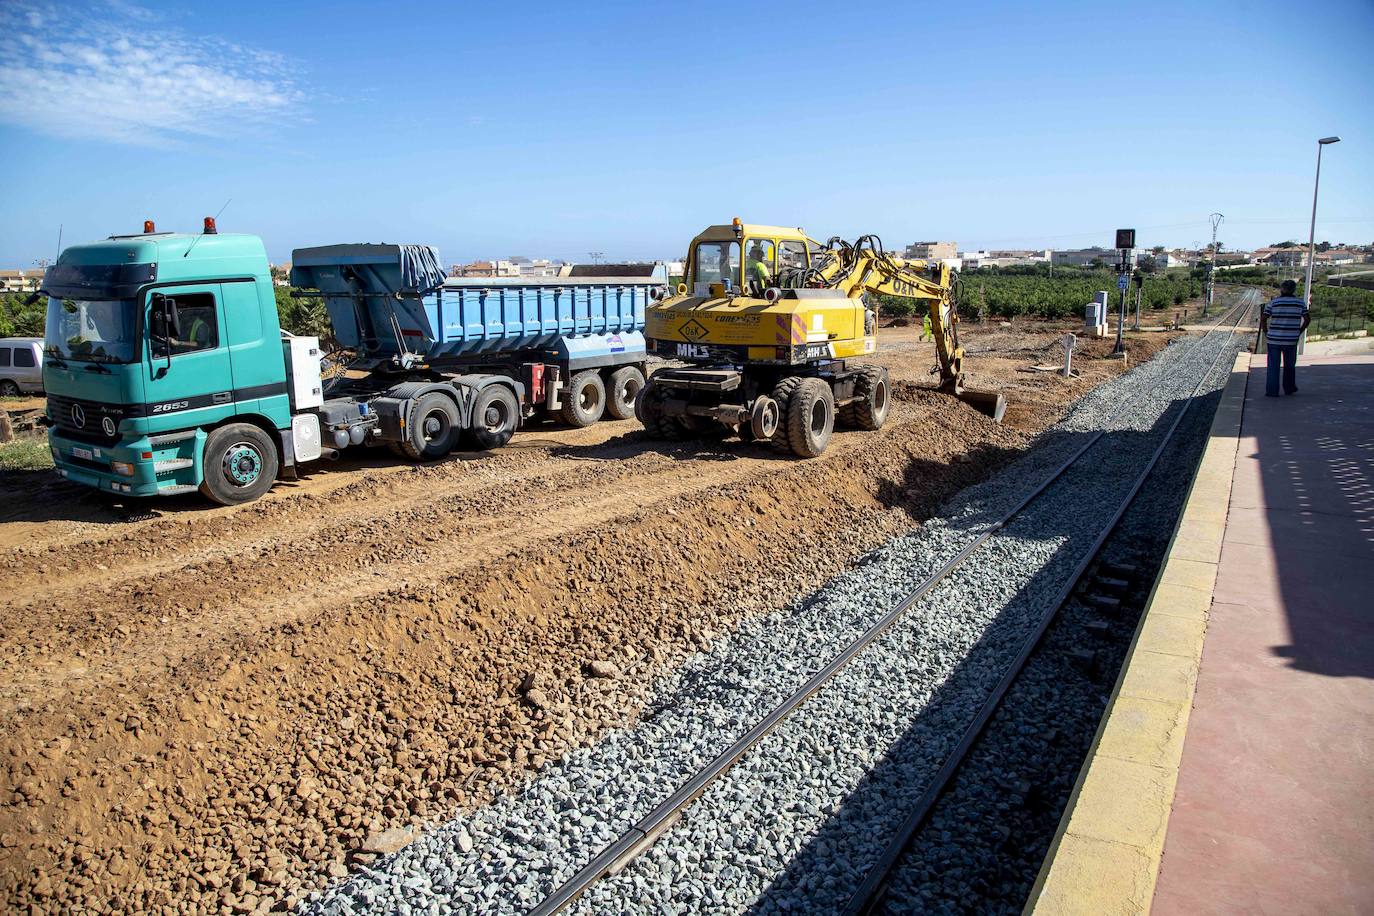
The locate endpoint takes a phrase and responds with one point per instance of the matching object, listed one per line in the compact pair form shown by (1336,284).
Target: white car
(21,366)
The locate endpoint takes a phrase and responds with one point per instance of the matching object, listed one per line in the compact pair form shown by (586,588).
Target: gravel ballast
(831,781)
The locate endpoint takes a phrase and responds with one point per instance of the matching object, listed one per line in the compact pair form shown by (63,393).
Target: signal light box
(1125,238)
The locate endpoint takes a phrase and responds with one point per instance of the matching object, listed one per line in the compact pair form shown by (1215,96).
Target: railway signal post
(1125,241)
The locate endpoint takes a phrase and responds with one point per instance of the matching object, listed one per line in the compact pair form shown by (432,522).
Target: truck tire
(649,411)
(585,399)
(782,394)
(9,389)
(495,414)
(431,428)
(810,417)
(625,385)
(870,409)
(239,465)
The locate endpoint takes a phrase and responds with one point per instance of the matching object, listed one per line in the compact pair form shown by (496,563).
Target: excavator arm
(864,267)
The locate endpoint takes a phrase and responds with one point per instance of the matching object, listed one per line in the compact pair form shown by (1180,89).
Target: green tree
(19,317)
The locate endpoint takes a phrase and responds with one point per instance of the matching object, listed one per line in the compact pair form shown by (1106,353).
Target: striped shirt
(1285,316)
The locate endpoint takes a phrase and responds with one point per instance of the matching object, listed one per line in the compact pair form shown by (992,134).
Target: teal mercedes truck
(167,370)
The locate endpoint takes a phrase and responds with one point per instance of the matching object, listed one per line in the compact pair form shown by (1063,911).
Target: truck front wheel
(495,413)
(240,464)
(432,427)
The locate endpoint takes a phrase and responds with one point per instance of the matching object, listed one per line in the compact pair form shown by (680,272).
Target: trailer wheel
(625,385)
(495,414)
(870,410)
(240,464)
(810,418)
(431,428)
(585,399)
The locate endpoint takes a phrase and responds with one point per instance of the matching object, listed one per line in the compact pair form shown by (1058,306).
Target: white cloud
(114,72)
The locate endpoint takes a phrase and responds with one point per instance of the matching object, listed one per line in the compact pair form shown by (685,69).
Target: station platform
(1234,768)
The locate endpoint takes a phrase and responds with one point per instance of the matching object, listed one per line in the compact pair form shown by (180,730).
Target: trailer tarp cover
(420,269)
(371,291)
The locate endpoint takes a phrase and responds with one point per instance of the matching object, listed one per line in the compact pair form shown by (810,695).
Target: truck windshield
(717,262)
(97,330)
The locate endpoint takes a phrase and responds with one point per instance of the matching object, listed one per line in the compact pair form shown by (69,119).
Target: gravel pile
(825,786)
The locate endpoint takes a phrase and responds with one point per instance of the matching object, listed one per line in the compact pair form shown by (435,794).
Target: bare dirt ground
(214,710)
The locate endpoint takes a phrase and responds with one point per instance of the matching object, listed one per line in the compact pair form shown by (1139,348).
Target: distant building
(20,281)
(281,274)
(1087,257)
(1334,257)
(1015,257)
(502,268)
(932,251)
(536,267)
(1281,257)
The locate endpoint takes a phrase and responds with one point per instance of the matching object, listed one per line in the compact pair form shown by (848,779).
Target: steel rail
(870,895)
(645,832)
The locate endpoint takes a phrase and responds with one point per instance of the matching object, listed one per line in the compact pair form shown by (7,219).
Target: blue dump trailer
(569,346)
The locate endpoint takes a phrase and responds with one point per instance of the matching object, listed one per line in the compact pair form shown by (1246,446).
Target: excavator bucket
(992,403)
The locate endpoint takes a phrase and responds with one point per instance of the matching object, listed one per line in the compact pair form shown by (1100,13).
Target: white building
(1087,257)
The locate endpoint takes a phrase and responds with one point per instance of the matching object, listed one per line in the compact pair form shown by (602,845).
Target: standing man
(1282,323)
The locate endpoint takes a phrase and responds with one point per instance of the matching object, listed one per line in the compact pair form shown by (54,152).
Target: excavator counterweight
(769,321)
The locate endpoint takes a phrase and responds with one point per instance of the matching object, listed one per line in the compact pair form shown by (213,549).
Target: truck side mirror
(164,326)
(166,319)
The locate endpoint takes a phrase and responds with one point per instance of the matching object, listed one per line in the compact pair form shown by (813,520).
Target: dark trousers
(1289,356)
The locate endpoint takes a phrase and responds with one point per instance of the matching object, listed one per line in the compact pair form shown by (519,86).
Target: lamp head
(1325,140)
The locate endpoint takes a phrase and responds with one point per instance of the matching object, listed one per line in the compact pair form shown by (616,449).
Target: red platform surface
(1274,810)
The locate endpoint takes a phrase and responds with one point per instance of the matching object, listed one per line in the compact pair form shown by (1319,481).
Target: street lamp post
(1312,231)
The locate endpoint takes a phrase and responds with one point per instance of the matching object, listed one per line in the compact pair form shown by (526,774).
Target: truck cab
(153,343)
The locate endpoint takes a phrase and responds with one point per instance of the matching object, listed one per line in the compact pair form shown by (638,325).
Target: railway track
(643,834)
(871,894)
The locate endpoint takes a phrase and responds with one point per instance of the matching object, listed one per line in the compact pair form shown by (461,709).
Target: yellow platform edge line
(1106,853)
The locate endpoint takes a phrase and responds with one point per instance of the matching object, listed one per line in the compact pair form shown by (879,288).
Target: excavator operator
(756,271)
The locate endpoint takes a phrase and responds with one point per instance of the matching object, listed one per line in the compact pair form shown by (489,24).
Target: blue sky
(563,128)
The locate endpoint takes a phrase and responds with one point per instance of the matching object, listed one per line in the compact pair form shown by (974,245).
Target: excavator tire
(810,418)
(650,413)
(870,410)
(782,393)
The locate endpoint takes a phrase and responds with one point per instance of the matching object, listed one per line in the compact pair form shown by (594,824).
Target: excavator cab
(715,268)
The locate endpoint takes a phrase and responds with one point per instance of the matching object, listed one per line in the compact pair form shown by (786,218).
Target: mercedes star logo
(78,417)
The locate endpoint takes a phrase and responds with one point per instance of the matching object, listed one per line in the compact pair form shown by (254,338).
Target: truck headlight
(122,468)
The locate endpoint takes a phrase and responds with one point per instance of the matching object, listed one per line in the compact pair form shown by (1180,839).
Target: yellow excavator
(769,319)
